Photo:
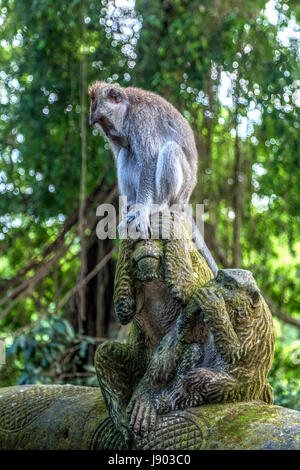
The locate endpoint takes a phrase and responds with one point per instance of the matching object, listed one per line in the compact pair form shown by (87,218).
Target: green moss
(78,420)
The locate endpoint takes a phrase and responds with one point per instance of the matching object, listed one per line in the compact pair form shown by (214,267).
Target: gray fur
(154,149)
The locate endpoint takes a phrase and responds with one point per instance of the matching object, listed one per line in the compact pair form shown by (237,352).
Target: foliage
(51,352)
(286,368)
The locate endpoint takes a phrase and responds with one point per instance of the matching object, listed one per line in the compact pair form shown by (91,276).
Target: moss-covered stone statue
(194,339)
(191,376)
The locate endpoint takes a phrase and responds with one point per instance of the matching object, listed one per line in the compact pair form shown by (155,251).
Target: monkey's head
(108,108)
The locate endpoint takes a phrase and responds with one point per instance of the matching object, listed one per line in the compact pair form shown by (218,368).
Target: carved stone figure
(194,339)
(230,358)
(154,280)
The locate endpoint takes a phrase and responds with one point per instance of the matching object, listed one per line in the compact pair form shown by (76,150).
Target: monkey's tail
(202,247)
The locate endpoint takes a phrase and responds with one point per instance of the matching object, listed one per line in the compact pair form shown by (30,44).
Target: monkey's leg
(201,386)
(173,188)
(126,175)
(118,373)
(171,172)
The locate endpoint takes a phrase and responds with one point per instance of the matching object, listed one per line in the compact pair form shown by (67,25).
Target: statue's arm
(213,308)
(164,361)
(147,398)
(124,296)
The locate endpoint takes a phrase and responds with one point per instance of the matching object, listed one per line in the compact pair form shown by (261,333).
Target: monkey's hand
(210,302)
(143,414)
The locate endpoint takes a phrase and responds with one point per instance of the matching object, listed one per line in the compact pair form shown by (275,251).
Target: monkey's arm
(214,310)
(124,298)
(140,212)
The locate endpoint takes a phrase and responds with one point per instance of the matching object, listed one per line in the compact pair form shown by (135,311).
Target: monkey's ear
(255,296)
(115,96)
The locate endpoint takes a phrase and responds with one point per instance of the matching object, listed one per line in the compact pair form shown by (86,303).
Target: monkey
(154,149)
(227,361)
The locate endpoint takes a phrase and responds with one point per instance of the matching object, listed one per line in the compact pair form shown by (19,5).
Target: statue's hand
(210,302)
(125,309)
(122,424)
(188,318)
(143,414)
(184,394)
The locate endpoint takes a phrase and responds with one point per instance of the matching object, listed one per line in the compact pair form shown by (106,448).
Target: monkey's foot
(143,415)
(136,223)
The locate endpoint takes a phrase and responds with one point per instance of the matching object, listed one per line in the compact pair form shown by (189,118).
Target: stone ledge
(57,417)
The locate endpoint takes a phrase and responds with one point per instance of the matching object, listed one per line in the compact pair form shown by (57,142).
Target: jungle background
(232,68)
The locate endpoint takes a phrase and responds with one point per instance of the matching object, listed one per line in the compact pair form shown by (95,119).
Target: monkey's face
(107,109)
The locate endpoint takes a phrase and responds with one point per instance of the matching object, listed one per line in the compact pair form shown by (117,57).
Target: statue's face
(225,284)
(147,256)
(240,295)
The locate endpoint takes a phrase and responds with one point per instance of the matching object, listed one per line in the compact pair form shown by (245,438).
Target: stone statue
(194,339)
(191,376)
(229,360)
(154,279)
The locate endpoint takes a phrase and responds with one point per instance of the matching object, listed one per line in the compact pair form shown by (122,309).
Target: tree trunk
(237,206)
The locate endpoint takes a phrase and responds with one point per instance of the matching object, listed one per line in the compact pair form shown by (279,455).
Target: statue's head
(148,257)
(240,292)
(249,314)
(244,303)
(170,255)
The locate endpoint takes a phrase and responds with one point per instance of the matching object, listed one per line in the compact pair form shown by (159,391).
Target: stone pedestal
(66,417)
